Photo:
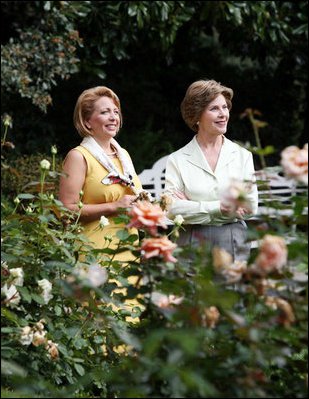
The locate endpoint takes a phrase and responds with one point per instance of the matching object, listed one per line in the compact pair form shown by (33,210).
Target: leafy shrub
(24,175)
(197,332)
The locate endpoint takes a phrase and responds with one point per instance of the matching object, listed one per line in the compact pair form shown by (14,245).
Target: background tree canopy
(149,53)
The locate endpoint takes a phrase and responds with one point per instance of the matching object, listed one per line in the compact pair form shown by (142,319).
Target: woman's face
(215,117)
(105,119)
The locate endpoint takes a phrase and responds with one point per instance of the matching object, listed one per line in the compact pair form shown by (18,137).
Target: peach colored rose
(166,301)
(152,247)
(295,162)
(221,258)
(211,316)
(277,302)
(166,201)
(39,338)
(52,349)
(272,253)
(236,195)
(224,265)
(146,214)
(234,272)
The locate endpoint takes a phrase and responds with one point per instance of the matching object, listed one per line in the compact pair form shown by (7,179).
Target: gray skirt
(230,236)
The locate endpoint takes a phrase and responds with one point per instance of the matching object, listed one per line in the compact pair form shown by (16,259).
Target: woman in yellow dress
(100,168)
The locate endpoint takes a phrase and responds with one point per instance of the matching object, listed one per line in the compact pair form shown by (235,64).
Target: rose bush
(207,327)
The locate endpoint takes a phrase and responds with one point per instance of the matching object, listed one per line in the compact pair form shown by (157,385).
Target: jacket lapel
(193,154)
(227,154)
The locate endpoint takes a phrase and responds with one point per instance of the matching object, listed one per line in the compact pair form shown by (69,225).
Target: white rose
(18,276)
(12,295)
(103,222)
(26,336)
(45,164)
(178,220)
(46,287)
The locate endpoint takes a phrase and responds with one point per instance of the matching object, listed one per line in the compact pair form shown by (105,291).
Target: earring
(198,122)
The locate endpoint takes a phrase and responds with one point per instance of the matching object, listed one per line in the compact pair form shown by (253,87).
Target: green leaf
(37,298)
(57,310)
(7,330)
(25,196)
(122,235)
(9,315)
(11,368)
(98,339)
(133,238)
(80,369)
(25,294)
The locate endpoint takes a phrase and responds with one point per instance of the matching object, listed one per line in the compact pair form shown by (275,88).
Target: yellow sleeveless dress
(96,192)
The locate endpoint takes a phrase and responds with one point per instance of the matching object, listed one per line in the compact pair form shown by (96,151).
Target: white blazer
(187,170)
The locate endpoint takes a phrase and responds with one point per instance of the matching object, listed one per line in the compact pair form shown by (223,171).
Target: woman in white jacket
(198,175)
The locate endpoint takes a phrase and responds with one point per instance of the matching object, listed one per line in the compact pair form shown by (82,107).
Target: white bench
(276,188)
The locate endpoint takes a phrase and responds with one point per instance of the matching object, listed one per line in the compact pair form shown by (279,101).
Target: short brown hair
(85,106)
(199,94)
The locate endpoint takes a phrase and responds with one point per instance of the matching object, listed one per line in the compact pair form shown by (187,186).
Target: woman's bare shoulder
(74,158)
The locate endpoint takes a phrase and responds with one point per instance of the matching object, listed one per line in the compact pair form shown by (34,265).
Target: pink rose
(152,247)
(273,253)
(146,214)
(236,195)
(295,162)
(166,301)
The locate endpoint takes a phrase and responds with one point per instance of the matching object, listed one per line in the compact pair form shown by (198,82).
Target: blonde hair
(198,95)
(85,106)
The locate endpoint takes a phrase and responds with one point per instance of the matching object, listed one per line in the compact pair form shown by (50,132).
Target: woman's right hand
(125,201)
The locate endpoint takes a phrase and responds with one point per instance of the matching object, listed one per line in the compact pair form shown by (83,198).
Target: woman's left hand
(241,212)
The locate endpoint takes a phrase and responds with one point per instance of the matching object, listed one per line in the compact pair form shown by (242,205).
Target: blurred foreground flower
(272,254)
(166,201)
(275,303)
(295,163)
(146,214)
(165,301)
(222,262)
(236,195)
(152,247)
(96,274)
(211,317)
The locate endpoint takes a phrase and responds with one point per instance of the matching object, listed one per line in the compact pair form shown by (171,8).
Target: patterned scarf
(114,176)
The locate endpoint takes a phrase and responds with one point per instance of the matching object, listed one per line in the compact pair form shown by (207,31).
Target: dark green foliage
(25,176)
(149,53)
